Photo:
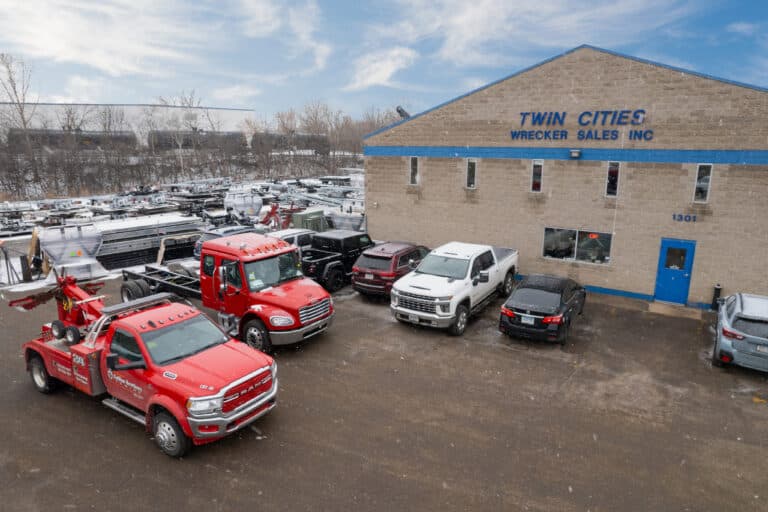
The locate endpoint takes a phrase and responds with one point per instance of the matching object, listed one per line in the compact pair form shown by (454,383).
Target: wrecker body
(158,361)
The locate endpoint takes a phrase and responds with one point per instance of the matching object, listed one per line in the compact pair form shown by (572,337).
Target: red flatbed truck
(161,363)
(255,284)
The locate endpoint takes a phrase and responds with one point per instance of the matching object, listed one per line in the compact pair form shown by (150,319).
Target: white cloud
(472,33)
(79,89)
(303,22)
(235,94)
(262,17)
(743,28)
(378,68)
(118,37)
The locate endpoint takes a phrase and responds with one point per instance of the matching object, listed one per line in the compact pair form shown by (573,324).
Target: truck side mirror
(111,361)
(483,276)
(222,280)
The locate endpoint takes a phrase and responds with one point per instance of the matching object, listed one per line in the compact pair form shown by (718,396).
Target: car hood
(291,295)
(429,285)
(211,370)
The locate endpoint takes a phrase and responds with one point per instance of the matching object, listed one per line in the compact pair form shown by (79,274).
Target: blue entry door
(673,277)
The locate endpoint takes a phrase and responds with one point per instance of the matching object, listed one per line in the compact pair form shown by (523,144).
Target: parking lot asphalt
(377,415)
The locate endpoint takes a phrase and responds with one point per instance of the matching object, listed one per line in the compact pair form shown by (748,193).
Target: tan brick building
(633,177)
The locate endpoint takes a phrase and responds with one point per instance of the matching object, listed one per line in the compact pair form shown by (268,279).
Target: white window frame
(534,163)
(466,174)
(696,181)
(607,177)
(410,170)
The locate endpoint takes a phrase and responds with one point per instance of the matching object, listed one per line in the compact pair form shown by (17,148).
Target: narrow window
(536,174)
(612,184)
(703,182)
(471,171)
(413,178)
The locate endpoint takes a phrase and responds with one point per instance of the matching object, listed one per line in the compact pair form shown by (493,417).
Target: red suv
(378,267)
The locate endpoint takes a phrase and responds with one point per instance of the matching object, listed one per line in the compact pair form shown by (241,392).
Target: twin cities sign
(595,125)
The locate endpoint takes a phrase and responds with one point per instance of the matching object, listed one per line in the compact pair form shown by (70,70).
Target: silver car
(742,332)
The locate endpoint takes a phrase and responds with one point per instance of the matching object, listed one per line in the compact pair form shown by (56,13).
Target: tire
(72,335)
(460,324)
(130,290)
(57,329)
(169,436)
(144,287)
(43,382)
(334,280)
(564,340)
(509,283)
(255,335)
(581,309)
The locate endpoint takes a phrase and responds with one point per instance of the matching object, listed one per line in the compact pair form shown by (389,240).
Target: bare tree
(287,122)
(314,118)
(73,117)
(15,80)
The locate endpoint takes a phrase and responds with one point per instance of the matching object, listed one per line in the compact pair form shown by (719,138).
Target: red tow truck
(161,363)
(255,284)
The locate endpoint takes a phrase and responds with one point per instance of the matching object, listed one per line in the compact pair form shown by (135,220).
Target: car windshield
(534,298)
(453,268)
(374,262)
(272,271)
(751,327)
(179,341)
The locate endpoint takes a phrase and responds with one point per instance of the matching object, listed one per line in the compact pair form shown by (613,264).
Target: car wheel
(460,324)
(169,436)
(334,281)
(716,360)
(509,283)
(255,335)
(144,287)
(564,339)
(43,382)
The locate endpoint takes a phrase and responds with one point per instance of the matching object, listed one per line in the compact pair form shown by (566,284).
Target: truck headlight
(281,321)
(445,308)
(203,406)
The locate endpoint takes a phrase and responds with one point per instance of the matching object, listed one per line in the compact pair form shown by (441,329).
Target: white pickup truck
(453,282)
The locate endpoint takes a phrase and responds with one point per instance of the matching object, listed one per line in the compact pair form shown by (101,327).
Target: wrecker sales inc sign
(595,125)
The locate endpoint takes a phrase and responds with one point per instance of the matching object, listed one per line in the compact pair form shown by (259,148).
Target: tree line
(72,149)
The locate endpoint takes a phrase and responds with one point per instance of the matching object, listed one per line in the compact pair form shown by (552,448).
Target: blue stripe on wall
(676,156)
(629,295)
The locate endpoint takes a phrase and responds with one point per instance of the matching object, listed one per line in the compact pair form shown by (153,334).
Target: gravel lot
(376,415)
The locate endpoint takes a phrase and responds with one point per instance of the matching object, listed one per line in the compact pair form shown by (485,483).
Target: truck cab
(256,284)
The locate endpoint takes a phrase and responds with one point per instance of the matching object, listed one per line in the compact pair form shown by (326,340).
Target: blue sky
(270,55)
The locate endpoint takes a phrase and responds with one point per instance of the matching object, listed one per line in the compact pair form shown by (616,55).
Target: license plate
(413,318)
(762,348)
(369,276)
(527,320)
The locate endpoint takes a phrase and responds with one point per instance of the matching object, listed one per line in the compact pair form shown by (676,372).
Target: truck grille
(417,305)
(247,391)
(418,297)
(315,311)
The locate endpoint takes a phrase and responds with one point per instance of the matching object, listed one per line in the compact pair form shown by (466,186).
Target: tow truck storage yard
(555,350)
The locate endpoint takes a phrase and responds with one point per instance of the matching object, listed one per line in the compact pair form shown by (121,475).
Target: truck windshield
(453,268)
(181,340)
(272,271)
